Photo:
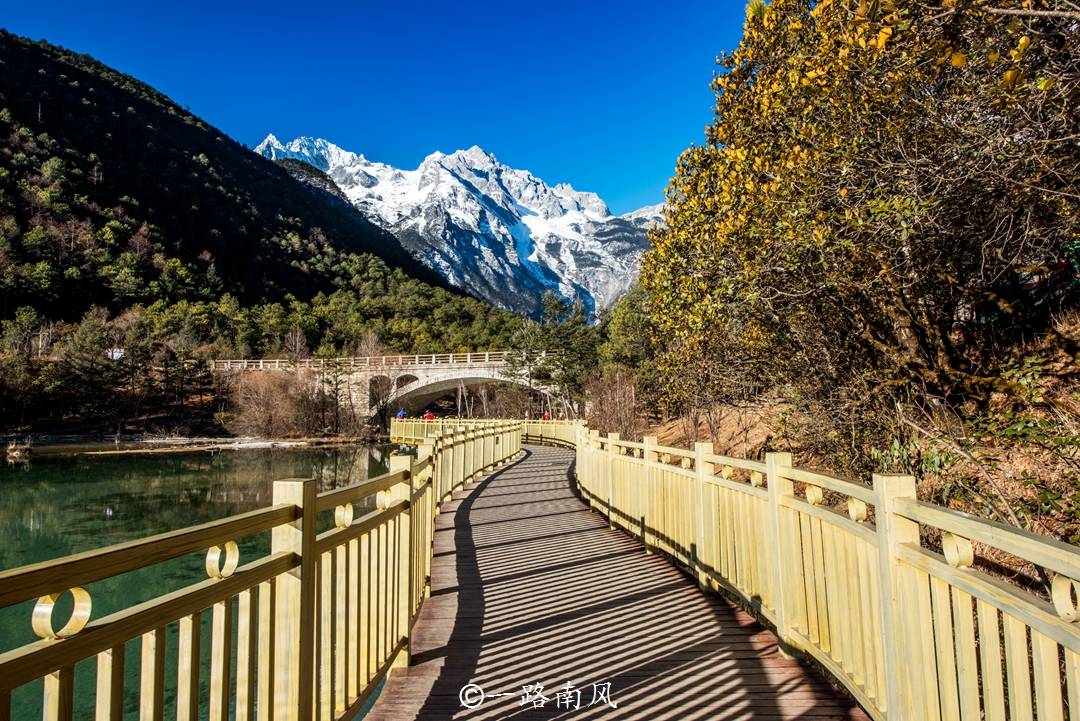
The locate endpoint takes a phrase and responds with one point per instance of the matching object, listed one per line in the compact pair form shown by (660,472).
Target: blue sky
(601,94)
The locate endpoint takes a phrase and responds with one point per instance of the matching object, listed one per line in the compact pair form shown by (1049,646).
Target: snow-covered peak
(500,232)
(434,157)
(269,142)
(584,202)
(323,154)
(477,156)
(649,212)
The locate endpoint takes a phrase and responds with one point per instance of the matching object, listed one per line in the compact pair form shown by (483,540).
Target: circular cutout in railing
(1065,592)
(216,567)
(343,515)
(958,550)
(41,621)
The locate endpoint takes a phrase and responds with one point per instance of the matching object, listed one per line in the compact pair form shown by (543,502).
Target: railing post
(466,456)
(471,437)
(397,492)
(612,441)
(492,438)
(703,470)
(578,454)
(444,458)
(400,463)
(482,448)
(294,633)
(594,467)
(651,459)
(780,486)
(426,451)
(459,457)
(451,460)
(470,455)
(892,530)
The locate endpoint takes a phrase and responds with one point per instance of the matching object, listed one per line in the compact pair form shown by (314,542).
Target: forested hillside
(112,194)
(126,222)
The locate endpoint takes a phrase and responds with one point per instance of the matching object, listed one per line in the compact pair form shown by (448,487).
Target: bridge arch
(378,382)
(419,396)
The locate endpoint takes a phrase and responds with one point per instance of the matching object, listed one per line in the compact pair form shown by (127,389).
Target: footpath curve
(529,587)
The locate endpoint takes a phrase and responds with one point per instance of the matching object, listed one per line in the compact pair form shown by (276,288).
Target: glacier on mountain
(498,232)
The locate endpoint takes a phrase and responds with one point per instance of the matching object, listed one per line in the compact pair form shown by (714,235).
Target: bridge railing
(306,631)
(847,573)
(483,358)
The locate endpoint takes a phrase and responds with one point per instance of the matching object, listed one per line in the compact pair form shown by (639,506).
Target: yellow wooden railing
(311,629)
(840,569)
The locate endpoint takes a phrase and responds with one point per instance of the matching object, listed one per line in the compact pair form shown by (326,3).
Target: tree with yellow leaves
(886,207)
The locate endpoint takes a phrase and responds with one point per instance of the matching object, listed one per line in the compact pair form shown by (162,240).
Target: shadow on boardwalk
(528,586)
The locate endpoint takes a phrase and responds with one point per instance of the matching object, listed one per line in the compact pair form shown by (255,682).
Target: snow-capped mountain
(500,233)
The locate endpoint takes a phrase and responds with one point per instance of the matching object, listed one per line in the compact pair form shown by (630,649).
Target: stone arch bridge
(410,381)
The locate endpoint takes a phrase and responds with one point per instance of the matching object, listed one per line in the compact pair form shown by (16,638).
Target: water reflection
(58,505)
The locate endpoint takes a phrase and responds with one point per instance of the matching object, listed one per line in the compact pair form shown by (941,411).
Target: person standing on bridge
(401,413)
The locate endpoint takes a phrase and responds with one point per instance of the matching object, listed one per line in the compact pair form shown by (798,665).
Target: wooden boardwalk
(530,587)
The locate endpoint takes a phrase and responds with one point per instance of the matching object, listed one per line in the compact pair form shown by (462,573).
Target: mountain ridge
(498,232)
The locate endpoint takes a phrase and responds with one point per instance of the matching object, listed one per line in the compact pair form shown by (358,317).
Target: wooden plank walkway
(529,586)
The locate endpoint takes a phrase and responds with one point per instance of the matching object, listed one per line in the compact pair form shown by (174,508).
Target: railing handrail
(24,583)
(356,491)
(40,579)
(1049,553)
(265,612)
(24,664)
(905,627)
